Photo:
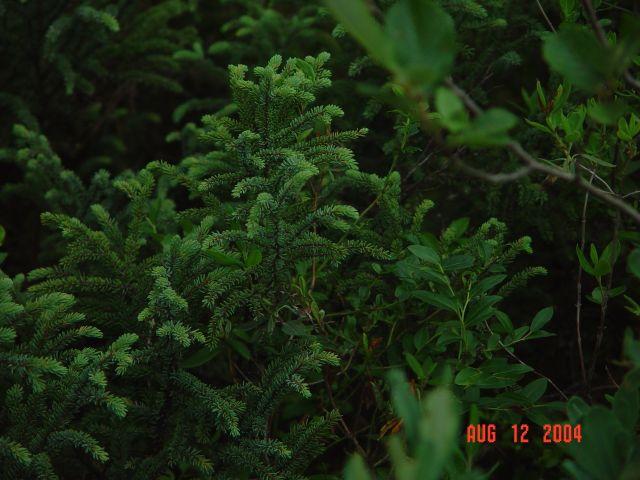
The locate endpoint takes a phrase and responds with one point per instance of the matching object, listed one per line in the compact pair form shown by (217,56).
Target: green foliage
(610,446)
(456,283)
(224,297)
(430,437)
(266,186)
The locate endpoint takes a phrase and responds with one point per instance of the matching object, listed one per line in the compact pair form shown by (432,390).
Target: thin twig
(418,165)
(544,14)
(493,177)
(599,178)
(583,231)
(613,380)
(631,193)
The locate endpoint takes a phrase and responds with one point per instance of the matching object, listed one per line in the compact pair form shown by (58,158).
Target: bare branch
(631,194)
(493,177)
(535,165)
(598,177)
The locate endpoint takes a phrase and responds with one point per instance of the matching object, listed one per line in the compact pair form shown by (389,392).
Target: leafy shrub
(232,308)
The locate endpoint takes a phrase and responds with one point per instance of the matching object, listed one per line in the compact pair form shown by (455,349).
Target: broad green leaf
(482,310)
(467,376)
(607,113)
(596,296)
(239,347)
(576,409)
(254,257)
(626,405)
(520,332)
(425,253)
(202,356)
(437,300)
(296,328)
(493,341)
(457,262)
(453,115)
(427,272)
(420,339)
(456,229)
(491,375)
(605,445)
(488,129)
(628,44)
(541,319)
(603,267)
(405,404)
(534,390)
(627,130)
(222,258)
(439,431)
(422,36)
(505,321)
(486,284)
(575,53)
(584,263)
(539,126)
(357,19)
(415,365)
(356,469)
(2,235)
(614,292)
(569,9)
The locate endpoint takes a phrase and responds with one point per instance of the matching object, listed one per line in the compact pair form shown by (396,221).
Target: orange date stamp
(521,433)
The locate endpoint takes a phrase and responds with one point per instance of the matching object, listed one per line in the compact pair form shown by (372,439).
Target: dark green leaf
(356,18)
(453,115)
(239,347)
(576,53)
(254,257)
(437,300)
(541,319)
(488,129)
(425,253)
(222,258)
(200,357)
(296,328)
(584,263)
(422,36)
(415,365)
(534,390)
(457,262)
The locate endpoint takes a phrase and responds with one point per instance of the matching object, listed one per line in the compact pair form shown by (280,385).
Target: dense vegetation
(305,239)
